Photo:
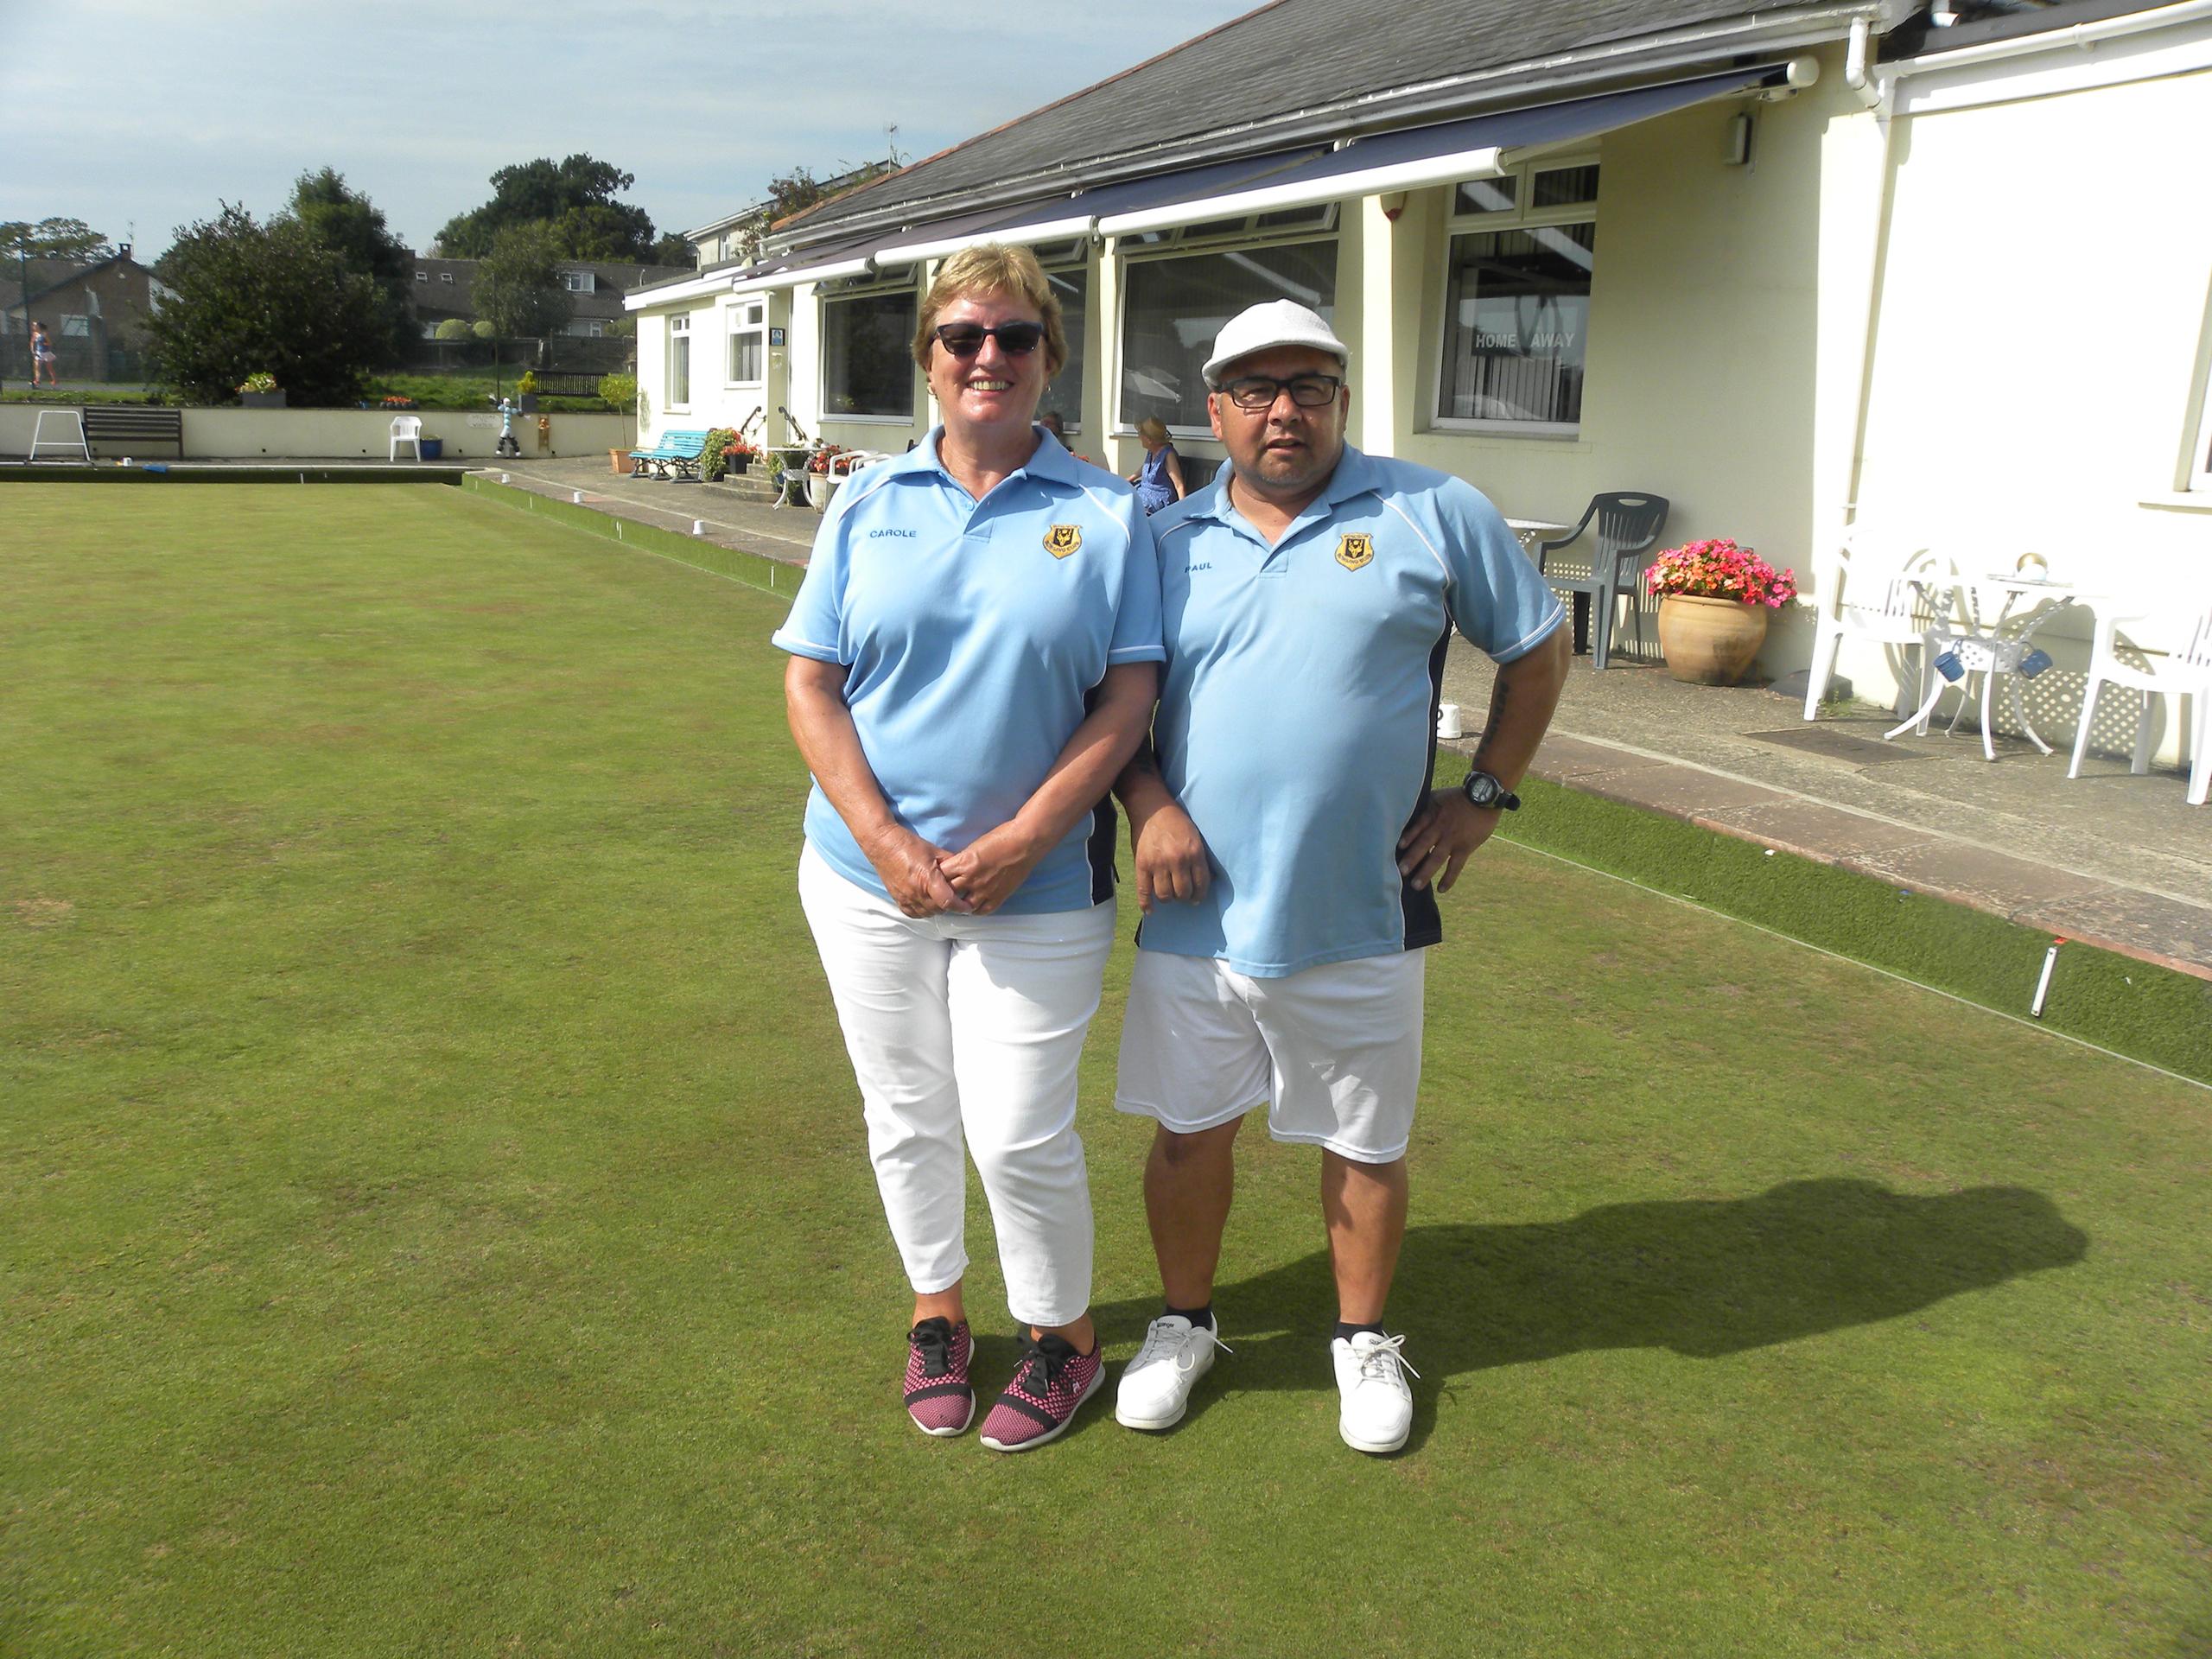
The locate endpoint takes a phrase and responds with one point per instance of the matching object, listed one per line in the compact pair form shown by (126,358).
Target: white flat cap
(1263,328)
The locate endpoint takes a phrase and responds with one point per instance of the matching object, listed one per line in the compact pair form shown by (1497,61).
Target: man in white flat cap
(1288,841)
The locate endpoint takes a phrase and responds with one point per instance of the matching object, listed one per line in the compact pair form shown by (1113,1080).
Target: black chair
(1623,527)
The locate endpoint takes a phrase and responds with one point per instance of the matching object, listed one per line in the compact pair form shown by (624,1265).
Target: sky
(134,115)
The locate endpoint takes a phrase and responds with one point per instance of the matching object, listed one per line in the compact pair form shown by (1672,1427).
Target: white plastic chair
(406,429)
(1891,601)
(2186,672)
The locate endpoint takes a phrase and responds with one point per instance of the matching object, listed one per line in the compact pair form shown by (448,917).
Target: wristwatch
(1485,790)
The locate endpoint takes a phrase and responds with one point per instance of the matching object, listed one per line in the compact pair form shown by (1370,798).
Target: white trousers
(969,1023)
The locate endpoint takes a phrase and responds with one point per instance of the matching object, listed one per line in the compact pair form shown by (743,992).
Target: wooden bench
(678,449)
(133,425)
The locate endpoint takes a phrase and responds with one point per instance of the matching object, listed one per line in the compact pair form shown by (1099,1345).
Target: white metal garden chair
(1884,593)
(2185,671)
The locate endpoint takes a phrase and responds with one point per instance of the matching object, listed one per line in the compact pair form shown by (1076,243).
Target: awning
(684,288)
(821,264)
(1412,158)
(1056,219)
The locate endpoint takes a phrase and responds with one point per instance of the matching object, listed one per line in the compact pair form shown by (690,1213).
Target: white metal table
(2003,647)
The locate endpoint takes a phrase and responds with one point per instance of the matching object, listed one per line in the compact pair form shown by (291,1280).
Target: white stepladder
(60,417)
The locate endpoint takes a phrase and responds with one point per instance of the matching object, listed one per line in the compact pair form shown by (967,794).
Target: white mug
(1448,720)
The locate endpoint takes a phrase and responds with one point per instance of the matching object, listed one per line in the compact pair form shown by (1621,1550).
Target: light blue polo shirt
(972,632)
(1297,719)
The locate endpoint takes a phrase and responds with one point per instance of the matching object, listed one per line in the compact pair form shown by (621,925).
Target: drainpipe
(1875,93)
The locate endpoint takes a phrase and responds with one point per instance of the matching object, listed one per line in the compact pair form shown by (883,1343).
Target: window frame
(830,294)
(1520,217)
(1184,242)
(580,282)
(746,316)
(1062,258)
(679,328)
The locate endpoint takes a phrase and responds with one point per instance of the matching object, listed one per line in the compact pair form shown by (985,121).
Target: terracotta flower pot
(1709,641)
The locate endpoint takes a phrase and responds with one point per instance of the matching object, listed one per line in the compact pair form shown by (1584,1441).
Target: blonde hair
(1153,428)
(993,268)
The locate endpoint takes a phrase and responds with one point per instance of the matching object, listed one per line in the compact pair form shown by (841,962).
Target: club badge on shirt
(1355,552)
(1063,539)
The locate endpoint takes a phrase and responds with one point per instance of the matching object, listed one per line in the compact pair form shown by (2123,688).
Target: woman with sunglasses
(1159,480)
(973,657)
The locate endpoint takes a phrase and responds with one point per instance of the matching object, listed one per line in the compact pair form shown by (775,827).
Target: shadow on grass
(1701,1277)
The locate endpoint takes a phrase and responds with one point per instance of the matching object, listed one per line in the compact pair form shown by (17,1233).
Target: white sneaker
(1378,1406)
(1155,1387)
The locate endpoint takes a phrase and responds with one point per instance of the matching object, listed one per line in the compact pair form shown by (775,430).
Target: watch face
(1483,789)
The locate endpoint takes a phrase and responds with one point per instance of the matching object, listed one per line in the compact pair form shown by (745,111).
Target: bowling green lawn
(435,1215)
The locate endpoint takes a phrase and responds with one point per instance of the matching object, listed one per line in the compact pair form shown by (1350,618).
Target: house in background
(1788,265)
(445,288)
(95,311)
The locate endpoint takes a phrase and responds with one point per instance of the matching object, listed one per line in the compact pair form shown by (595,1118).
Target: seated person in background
(1159,480)
(1049,420)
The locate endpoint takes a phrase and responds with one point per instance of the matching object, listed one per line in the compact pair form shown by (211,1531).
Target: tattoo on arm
(1501,692)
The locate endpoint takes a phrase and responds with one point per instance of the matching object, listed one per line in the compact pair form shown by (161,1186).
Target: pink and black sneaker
(1050,1384)
(939,1397)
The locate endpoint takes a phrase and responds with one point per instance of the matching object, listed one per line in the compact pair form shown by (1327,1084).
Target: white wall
(2041,328)
(332,435)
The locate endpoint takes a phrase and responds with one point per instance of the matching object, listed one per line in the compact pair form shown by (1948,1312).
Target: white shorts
(1336,1049)
(969,1028)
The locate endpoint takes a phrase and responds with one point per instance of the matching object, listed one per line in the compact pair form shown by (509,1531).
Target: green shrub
(454,328)
(482,329)
(620,391)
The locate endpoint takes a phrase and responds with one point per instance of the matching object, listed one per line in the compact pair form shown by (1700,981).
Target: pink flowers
(1719,569)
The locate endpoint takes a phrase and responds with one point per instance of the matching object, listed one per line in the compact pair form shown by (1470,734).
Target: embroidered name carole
(908,534)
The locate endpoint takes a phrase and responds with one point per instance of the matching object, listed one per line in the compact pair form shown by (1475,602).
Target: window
(585,327)
(446,276)
(579,282)
(76,327)
(867,364)
(1517,299)
(1172,307)
(679,362)
(748,344)
(1071,285)
(421,276)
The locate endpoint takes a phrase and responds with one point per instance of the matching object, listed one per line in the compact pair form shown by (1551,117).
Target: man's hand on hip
(1444,832)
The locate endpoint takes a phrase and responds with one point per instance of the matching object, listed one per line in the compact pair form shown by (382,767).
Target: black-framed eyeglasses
(1253,393)
(964,339)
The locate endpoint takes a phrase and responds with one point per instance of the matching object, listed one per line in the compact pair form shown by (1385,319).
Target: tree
(788,194)
(671,250)
(354,228)
(518,290)
(55,238)
(250,297)
(576,196)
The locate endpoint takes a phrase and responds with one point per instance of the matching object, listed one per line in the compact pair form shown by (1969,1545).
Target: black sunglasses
(964,339)
(1254,392)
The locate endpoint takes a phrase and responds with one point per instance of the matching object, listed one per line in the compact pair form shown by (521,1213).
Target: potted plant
(1713,599)
(823,474)
(260,390)
(738,456)
(526,392)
